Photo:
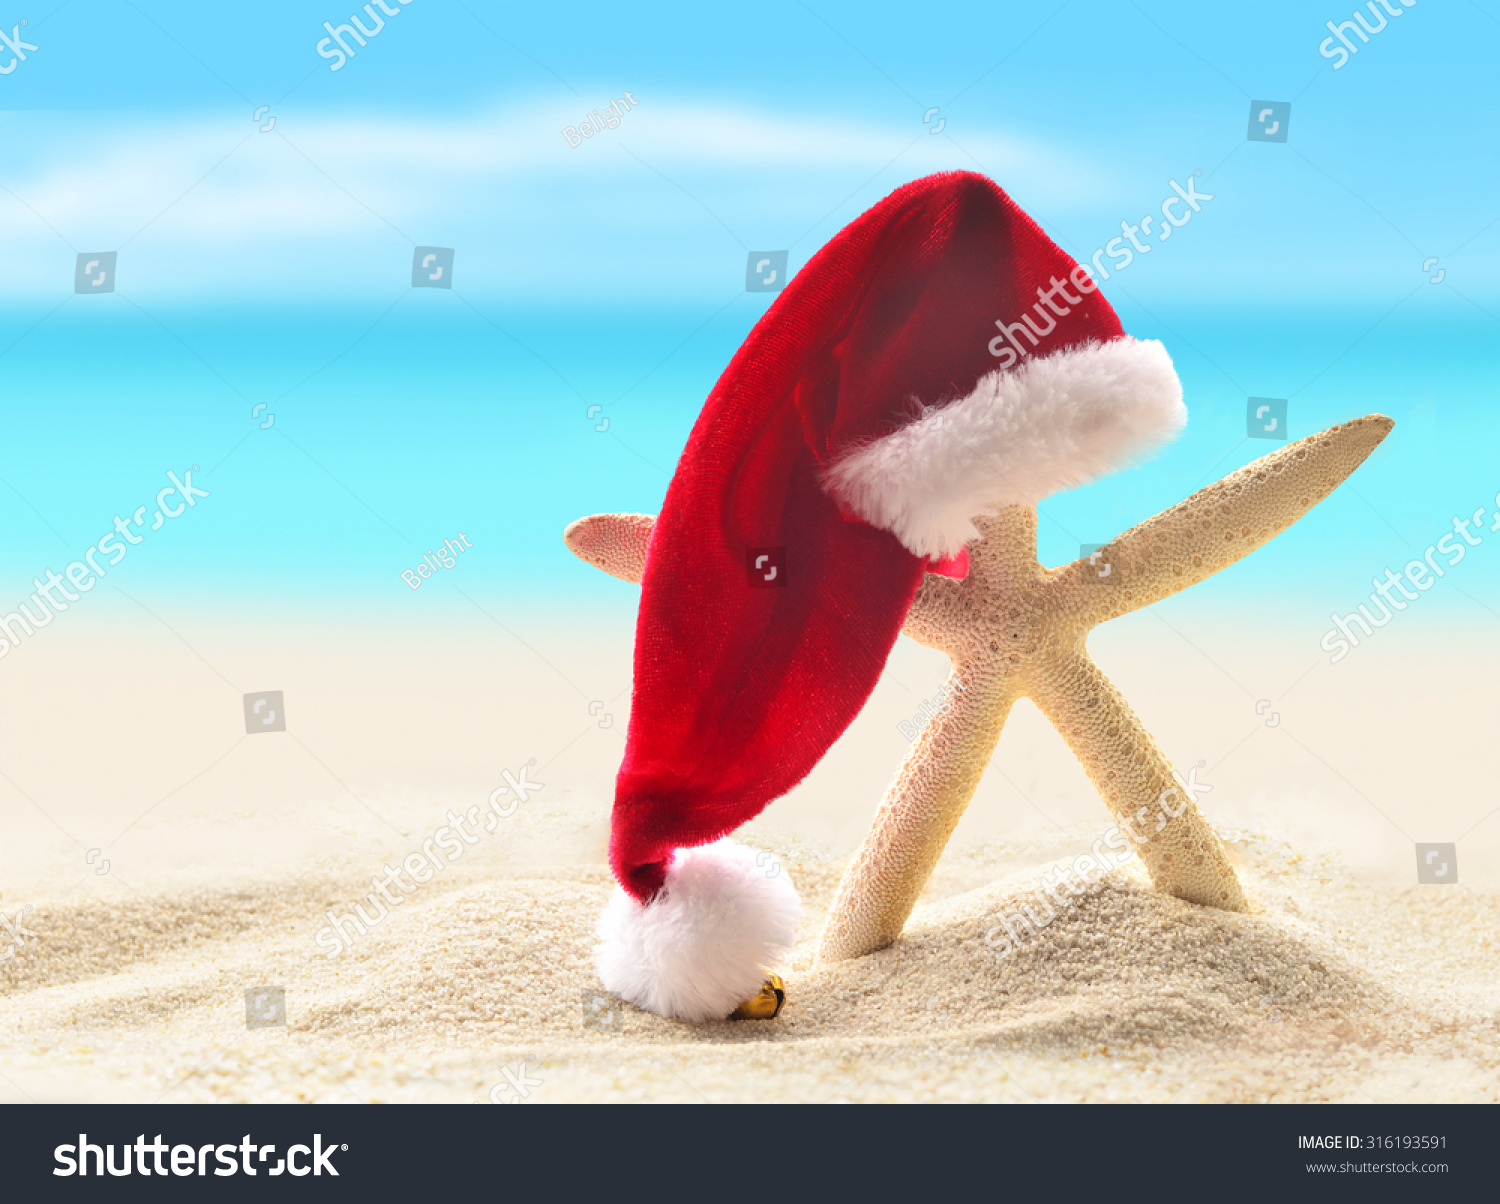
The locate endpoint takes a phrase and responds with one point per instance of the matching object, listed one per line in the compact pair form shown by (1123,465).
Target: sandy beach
(227,854)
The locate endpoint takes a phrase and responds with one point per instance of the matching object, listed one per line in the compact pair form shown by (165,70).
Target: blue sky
(275,267)
(446,128)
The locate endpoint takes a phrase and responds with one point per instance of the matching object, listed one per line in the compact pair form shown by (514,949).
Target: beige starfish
(1014,629)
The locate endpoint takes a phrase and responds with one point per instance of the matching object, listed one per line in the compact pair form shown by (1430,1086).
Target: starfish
(1015,629)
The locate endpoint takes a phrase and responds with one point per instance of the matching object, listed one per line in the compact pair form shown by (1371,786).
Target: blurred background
(265,212)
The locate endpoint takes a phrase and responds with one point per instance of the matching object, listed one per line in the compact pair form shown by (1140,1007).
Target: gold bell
(764,1006)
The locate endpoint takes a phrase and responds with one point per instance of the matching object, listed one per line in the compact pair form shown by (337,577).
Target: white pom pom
(708,939)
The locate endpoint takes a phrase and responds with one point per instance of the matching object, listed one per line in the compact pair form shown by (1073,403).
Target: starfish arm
(1220,524)
(917,815)
(1156,817)
(617,544)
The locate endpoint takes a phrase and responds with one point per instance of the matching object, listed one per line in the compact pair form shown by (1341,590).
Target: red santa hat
(939,358)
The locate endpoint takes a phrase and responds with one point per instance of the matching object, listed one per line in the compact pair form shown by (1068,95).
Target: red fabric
(740,691)
(954,566)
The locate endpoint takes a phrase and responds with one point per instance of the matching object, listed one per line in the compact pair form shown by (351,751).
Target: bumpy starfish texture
(1015,629)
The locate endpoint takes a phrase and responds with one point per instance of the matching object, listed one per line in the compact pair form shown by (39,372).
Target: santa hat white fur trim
(706,942)
(1021,435)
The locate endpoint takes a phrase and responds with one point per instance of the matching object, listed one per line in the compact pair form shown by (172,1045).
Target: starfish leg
(1229,519)
(615,543)
(1156,817)
(1014,630)
(920,809)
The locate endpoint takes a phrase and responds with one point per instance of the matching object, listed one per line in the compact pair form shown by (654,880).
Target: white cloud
(505,185)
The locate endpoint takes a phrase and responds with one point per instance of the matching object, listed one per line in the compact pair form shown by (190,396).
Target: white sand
(1349,982)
